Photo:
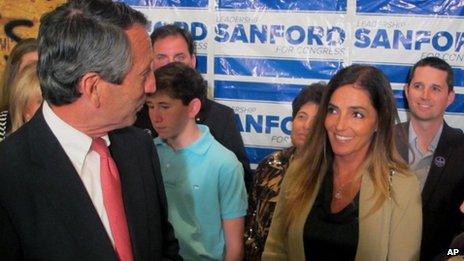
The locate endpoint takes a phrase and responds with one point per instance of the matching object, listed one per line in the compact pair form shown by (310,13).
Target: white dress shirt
(76,145)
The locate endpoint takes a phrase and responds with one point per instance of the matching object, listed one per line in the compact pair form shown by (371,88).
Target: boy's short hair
(180,81)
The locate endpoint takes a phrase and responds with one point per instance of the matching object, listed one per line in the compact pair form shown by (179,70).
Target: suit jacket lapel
(402,140)
(65,191)
(438,164)
(132,189)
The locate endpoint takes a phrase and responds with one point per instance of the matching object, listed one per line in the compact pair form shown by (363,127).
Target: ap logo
(452,252)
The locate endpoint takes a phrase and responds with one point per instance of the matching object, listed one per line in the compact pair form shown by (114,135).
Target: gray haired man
(75,182)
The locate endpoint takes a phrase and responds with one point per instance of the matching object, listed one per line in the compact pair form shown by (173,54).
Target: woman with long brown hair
(349,192)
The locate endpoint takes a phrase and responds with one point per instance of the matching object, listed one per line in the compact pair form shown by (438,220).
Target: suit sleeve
(170,243)
(233,141)
(9,243)
(406,228)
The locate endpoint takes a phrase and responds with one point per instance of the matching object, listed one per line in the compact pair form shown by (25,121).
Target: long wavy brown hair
(311,166)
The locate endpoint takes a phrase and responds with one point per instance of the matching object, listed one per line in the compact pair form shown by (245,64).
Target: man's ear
(406,89)
(194,108)
(451,96)
(194,61)
(89,87)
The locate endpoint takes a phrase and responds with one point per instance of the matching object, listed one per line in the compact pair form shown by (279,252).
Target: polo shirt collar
(200,146)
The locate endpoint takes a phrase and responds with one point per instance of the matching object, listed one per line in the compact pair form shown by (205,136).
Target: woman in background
(349,192)
(22,54)
(25,97)
(271,170)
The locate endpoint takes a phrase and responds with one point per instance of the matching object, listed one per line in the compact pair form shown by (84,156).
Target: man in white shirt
(75,182)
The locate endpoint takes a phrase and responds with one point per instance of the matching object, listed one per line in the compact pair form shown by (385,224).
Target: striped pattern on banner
(424,7)
(202,63)
(303,5)
(272,67)
(255,155)
(168,3)
(398,73)
(256,91)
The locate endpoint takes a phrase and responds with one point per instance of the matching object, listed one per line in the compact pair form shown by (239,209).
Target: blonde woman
(349,192)
(25,96)
(24,53)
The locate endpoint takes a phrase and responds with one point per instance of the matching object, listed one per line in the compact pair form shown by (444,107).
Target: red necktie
(112,199)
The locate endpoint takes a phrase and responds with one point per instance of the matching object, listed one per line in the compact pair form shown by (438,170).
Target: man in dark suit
(434,151)
(174,44)
(63,194)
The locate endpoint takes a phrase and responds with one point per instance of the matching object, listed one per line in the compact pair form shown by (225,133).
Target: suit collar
(440,157)
(412,140)
(402,134)
(442,153)
(130,167)
(69,198)
(64,189)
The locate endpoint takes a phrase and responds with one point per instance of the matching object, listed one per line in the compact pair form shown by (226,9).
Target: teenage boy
(172,43)
(207,200)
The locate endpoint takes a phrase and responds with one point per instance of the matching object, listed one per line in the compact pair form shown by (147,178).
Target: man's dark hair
(83,36)
(173,30)
(436,63)
(180,81)
(311,93)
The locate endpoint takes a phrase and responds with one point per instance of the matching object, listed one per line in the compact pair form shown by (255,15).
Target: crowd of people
(110,149)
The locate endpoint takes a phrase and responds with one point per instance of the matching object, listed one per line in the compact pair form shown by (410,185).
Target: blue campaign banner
(458,105)
(272,67)
(398,73)
(168,3)
(256,55)
(418,7)
(300,5)
(255,155)
(256,91)
(401,102)
(202,63)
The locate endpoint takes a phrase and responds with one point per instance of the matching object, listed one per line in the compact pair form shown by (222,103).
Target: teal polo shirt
(204,185)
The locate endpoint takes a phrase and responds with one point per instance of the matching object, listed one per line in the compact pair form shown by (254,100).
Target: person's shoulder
(16,140)
(404,183)
(401,126)
(217,107)
(277,159)
(452,138)
(454,132)
(15,151)
(221,156)
(132,132)
(219,150)
(138,138)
